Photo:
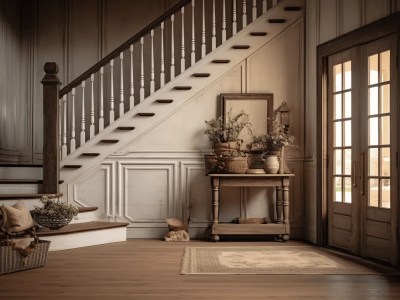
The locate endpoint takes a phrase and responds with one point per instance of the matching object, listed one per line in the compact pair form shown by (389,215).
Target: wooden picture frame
(259,106)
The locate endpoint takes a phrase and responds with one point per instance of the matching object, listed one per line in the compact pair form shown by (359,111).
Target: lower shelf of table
(231,229)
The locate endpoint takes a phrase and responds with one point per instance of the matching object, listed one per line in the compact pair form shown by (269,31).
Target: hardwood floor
(149,269)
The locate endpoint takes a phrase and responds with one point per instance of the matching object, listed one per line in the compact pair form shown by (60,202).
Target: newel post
(51,153)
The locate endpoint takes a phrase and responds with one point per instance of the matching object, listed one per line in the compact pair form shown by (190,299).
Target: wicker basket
(235,165)
(12,261)
(51,222)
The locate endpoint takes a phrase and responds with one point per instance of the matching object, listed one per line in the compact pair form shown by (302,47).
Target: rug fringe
(185,262)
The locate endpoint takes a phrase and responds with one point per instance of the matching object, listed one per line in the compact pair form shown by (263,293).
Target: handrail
(123,47)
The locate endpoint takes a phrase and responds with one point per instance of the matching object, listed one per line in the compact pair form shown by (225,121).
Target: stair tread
(240,47)
(183,88)
(82,209)
(293,8)
(201,74)
(109,141)
(24,181)
(90,154)
(126,128)
(28,196)
(276,20)
(72,166)
(258,33)
(221,61)
(144,114)
(80,227)
(164,101)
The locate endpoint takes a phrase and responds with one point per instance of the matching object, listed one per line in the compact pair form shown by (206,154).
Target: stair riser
(21,173)
(20,188)
(85,239)
(29,203)
(83,217)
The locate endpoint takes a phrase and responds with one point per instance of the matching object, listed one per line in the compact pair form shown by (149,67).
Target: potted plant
(224,134)
(54,214)
(224,137)
(272,144)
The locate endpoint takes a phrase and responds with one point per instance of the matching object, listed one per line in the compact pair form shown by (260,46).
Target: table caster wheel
(215,238)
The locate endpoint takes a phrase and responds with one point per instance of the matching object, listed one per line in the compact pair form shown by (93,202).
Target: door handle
(353,175)
(362,175)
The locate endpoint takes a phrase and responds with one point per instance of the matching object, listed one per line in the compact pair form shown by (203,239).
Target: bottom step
(84,235)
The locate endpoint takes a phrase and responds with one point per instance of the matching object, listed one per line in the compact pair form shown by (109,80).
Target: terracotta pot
(221,148)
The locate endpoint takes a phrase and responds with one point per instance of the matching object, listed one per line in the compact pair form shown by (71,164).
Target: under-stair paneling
(184,129)
(16,36)
(103,196)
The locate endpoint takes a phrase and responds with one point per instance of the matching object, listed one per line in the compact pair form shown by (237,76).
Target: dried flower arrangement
(220,131)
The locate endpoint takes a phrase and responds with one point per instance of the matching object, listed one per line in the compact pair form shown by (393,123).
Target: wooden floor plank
(149,269)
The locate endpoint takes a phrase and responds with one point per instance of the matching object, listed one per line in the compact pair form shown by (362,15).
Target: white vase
(271,164)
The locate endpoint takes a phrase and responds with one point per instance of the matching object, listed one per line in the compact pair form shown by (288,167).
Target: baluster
(64,133)
(264,6)
(60,127)
(101,114)
(162,75)
(234,19)
(193,54)
(92,128)
(214,32)
(112,92)
(132,92)
(141,69)
(72,144)
(223,22)
(83,126)
(152,86)
(244,18)
(121,89)
(183,41)
(172,48)
(254,15)
(203,33)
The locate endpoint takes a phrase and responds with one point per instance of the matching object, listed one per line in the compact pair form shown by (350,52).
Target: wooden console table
(280,227)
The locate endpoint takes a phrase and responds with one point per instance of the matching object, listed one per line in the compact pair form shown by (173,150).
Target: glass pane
(347,133)
(373,192)
(338,106)
(373,69)
(347,105)
(373,101)
(347,161)
(385,161)
(347,75)
(347,190)
(338,161)
(385,193)
(337,78)
(373,131)
(385,98)
(337,134)
(373,162)
(385,66)
(385,130)
(337,189)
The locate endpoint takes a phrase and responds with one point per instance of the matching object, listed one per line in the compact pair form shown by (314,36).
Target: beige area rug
(274,260)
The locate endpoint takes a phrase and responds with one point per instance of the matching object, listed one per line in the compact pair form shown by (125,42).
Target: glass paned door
(379,194)
(361,148)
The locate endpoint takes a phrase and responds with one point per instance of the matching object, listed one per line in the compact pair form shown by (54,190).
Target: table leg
(286,201)
(279,203)
(215,204)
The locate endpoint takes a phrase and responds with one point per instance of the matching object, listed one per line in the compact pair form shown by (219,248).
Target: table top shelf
(250,175)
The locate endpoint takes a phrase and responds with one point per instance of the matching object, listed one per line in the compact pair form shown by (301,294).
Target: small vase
(271,164)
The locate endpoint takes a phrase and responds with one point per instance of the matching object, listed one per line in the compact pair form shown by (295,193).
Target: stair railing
(127,75)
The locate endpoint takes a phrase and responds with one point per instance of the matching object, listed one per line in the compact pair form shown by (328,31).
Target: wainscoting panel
(97,189)
(148,191)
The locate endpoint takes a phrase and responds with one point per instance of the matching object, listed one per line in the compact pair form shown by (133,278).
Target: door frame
(364,35)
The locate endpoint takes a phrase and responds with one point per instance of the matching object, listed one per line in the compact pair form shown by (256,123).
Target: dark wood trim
(51,151)
(369,33)
(123,47)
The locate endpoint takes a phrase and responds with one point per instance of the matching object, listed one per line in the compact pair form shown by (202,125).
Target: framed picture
(259,107)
